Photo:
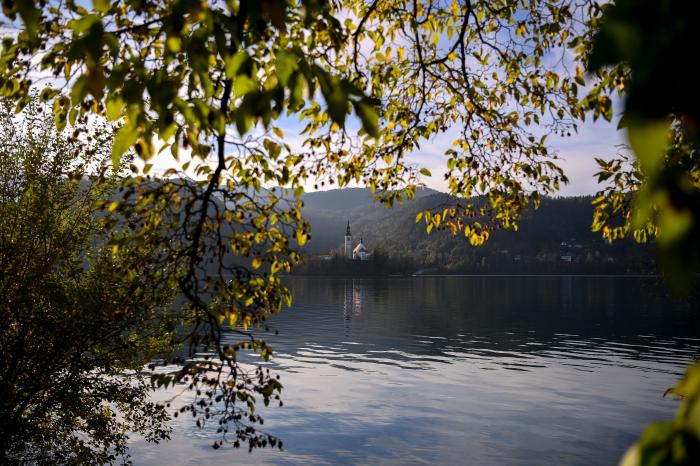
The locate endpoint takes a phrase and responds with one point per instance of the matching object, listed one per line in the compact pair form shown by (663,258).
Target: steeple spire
(348,242)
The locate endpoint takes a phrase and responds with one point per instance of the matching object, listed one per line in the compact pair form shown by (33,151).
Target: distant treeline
(485,262)
(555,239)
(379,265)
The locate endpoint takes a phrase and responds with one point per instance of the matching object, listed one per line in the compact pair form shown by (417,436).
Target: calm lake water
(463,370)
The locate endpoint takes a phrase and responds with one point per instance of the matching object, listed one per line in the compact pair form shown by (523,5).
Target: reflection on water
(465,370)
(352,303)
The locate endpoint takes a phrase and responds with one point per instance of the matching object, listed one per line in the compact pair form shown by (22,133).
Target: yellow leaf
(174,44)
(115,105)
(631,457)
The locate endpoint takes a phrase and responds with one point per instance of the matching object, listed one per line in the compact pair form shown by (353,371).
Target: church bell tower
(348,242)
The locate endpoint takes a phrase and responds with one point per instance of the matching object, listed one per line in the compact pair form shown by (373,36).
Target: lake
(463,370)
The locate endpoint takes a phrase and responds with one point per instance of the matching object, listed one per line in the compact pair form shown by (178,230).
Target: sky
(599,139)
(577,152)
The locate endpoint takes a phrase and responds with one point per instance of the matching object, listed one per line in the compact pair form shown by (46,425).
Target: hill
(555,238)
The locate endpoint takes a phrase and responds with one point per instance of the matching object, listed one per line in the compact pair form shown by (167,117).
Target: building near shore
(359,252)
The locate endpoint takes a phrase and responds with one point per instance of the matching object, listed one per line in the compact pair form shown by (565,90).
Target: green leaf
(101,5)
(369,117)
(115,105)
(125,138)
(237,64)
(623,122)
(673,224)
(242,85)
(649,140)
(425,172)
(335,95)
(337,105)
(60,114)
(83,24)
(72,116)
(244,121)
(30,15)
(689,384)
(285,65)
(79,90)
(296,90)
(47,94)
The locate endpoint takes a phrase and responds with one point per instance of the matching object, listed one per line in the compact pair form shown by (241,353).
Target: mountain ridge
(545,237)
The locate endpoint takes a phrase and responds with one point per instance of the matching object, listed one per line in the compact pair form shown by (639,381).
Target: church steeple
(348,242)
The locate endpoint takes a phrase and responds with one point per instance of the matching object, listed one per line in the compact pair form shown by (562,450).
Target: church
(360,252)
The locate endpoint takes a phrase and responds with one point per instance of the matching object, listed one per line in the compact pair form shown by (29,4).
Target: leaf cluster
(75,331)
(637,49)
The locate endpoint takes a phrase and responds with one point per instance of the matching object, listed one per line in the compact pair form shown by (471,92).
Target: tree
(636,52)
(74,330)
(211,80)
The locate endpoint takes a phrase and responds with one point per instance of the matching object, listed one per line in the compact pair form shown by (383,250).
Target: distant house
(327,256)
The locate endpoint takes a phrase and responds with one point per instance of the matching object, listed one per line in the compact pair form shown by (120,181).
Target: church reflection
(353,298)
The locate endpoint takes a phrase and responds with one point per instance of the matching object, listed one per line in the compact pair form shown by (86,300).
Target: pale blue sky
(593,139)
(599,139)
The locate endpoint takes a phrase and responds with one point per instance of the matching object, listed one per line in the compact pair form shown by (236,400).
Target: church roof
(347,232)
(360,248)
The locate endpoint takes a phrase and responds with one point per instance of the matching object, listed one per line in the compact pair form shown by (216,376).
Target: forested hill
(546,240)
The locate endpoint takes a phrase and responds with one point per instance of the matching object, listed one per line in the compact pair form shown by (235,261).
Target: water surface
(463,370)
